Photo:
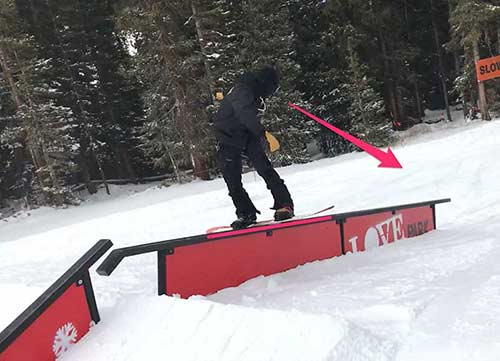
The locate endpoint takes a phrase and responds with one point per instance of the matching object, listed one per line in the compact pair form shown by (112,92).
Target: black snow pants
(230,162)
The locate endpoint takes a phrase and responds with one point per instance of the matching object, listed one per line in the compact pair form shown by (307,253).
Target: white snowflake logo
(64,338)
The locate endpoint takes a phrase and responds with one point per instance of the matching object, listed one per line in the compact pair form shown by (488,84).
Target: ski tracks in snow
(461,321)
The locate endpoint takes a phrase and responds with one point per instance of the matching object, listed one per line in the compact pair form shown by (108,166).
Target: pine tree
(43,125)
(367,110)
(468,19)
(268,39)
(68,79)
(218,26)
(74,106)
(119,105)
(11,139)
(159,141)
(86,69)
(321,55)
(167,47)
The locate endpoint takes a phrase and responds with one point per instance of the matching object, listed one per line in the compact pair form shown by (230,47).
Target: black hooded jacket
(238,115)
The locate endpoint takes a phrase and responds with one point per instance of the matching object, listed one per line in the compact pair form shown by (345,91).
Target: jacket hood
(263,82)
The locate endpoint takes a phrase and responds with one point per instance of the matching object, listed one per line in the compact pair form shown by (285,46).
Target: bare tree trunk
(197,159)
(456,59)
(388,80)
(199,164)
(8,74)
(467,91)
(101,170)
(125,160)
(418,99)
(58,197)
(19,159)
(199,33)
(393,73)
(358,102)
(174,165)
(483,102)
(405,5)
(82,162)
(456,62)
(442,73)
(399,103)
(498,38)
(124,165)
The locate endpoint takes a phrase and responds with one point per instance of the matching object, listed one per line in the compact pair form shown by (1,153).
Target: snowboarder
(239,132)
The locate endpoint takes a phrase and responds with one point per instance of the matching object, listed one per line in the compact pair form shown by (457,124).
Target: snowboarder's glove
(274,145)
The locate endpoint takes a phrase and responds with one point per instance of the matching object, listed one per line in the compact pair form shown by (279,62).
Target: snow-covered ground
(435,297)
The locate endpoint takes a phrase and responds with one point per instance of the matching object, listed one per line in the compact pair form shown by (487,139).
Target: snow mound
(198,329)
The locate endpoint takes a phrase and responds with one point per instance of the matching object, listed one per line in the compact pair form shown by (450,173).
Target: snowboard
(269,221)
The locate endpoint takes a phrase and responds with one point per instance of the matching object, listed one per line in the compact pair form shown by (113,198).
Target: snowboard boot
(244,221)
(283,213)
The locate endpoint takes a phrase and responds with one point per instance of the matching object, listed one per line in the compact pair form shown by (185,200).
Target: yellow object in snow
(274,145)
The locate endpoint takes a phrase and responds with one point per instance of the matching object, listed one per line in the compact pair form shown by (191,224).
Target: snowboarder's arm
(246,111)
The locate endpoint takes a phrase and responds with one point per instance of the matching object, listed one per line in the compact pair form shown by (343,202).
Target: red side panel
(417,221)
(374,230)
(205,268)
(60,325)
(364,232)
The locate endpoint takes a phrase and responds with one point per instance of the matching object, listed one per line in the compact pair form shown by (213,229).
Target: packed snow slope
(435,297)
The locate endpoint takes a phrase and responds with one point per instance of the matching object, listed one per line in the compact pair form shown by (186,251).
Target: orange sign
(488,68)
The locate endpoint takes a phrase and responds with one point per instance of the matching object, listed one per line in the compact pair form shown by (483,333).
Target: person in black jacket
(239,131)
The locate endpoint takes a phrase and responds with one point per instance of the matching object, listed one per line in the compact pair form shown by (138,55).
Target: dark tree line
(116,89)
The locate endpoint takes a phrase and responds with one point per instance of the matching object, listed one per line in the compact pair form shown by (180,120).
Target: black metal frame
(341,222)
(89,293)
(433,207)
(162,270)
(116,256)
(79,274)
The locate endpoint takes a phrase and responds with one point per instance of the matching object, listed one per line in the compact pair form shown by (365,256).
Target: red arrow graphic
(387,159)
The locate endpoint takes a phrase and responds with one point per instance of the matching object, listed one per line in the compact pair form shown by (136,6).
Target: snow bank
(198,329)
